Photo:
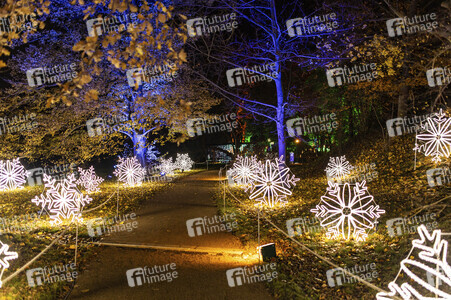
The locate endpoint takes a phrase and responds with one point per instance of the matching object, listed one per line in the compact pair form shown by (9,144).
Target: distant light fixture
(297,141)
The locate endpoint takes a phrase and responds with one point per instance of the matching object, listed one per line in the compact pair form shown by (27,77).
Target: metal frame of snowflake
(12,175)
(436,136)
(89,180)
(434,256)
(243,169)
(166,166)
(129,171)
(4,261)
(338,167)
(62,198)
(183,162)
(347,213)
(272,185)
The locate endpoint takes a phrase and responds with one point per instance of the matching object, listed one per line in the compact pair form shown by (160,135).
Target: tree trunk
(139,148)
(404,89)
(280,115)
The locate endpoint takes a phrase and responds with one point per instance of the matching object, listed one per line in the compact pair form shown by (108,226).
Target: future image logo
(406,25)
(400,226)
(118,23)
(337,276)
(299,226)
(438,76)
(40,276)
(200,126)
(309,125)
(405,125)
(353,74)
(52,75)
(99,226)
(152,75)
(209,225)
(438,176)
(208,25)
(104,125)
(247,275)
(314,25)
(149,275)
(251,75)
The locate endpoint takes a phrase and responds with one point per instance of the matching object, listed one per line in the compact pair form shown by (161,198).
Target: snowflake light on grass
(435,140)
(63,199)
(347,212)
(130,171)
(338,167)
(12,175)
(427,269)
(5,257)
(166,166)
(244,168)
(89,180)
(184,162)
(272,185)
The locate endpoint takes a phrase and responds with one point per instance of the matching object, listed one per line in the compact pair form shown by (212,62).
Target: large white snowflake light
(130,171)
(338,167)
(89,180)
(63,199)
(12,174)
(244,168)
(166,166)
(184,162)
(347,212)
(272,185)
(427,269)
(435,139)
(5,257)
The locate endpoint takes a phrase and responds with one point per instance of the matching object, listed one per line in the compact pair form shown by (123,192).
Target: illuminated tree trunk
(280,117)
(139,147)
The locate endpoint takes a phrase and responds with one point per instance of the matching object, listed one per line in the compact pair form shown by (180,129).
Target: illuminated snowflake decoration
(166,166)
(244,169)
(129,171)
(89,180)
(436,137)
(62,199)
(152,153)
(184,162)
(338,167)
(272,185)
(429,275)
(347,213)
(5,257)
(12,175)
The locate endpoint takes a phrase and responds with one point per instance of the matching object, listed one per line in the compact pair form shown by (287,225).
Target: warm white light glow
(62,199)
(435,139)
(347,212)
(166,166)
(89,180)
(12,175)
(129,171)
(244,168)
(272,185)
(184,162)
(338,167)
(5,257)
